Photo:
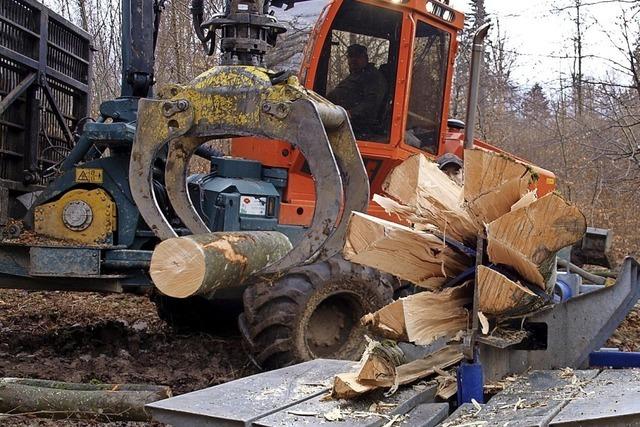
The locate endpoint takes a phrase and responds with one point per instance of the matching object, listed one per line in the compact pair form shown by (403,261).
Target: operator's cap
(448,159)
(356,50)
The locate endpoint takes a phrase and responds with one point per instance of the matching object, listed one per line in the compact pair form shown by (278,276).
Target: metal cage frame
(45,75)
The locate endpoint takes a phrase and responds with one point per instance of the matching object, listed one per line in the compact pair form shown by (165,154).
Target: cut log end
(178,267)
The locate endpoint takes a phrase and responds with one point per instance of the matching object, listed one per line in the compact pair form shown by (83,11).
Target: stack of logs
(432,245)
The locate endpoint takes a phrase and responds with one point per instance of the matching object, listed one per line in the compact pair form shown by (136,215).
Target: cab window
(358,66)
(428,77)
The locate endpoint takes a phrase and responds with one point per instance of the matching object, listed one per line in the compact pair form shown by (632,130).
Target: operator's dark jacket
(362,94)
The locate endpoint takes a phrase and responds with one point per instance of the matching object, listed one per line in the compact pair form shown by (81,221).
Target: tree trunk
(418,257)
(201,264)
(68,400)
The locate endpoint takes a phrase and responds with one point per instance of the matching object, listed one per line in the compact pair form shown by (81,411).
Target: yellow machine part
(82,216)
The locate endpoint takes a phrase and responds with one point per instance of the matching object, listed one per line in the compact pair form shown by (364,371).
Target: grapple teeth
(175,177)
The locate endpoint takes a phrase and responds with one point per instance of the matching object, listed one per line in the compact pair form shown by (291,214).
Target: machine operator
(362,93)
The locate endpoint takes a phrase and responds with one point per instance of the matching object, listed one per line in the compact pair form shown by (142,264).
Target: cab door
(427,93)
(377,28)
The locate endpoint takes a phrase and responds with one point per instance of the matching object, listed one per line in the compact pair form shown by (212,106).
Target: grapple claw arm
(158,122)
(241,101)
(175,179)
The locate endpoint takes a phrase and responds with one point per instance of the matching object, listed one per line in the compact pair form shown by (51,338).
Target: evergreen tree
(535,104)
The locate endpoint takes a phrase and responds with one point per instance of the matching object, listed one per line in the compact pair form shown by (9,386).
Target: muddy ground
(84,337)
(119,338)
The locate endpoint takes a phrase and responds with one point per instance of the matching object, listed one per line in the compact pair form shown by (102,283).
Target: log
(493,183)
(500,296)
(201,264)
(431,315)
(64,400)
(528,238)
(388,322)
(428,196)
(399,250)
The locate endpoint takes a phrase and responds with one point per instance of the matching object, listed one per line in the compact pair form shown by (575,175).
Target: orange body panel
(379,158)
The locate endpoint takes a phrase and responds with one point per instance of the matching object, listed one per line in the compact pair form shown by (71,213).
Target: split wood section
(201,264)
(378,372)
(497,295)
(529,238)
(493,183)
(523,232)
(426,196)
(419,257)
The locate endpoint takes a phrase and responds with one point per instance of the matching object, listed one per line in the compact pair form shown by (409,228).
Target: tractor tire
(312,312)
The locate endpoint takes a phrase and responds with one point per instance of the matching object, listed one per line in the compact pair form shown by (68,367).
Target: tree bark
(201,264)
(63,400)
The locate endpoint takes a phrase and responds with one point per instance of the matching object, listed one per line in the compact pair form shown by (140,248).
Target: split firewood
(427,196)
(500,296)
(529,238)
(388,322)
(408,254)
(379,362)
(201,264)
(447,385)
(422,368)
(65,400)
(493,183)
(347,385)
(431,315)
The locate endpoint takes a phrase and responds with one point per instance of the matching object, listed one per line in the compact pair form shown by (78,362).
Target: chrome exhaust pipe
(474,83)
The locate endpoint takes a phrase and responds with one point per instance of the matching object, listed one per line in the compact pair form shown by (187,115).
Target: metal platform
(295,396)
(560,398)
(572,330)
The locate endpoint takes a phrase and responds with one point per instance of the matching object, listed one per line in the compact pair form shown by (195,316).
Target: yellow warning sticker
(551,181)
(89,176)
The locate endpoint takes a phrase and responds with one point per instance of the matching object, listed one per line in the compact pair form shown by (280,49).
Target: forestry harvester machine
(84,202)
